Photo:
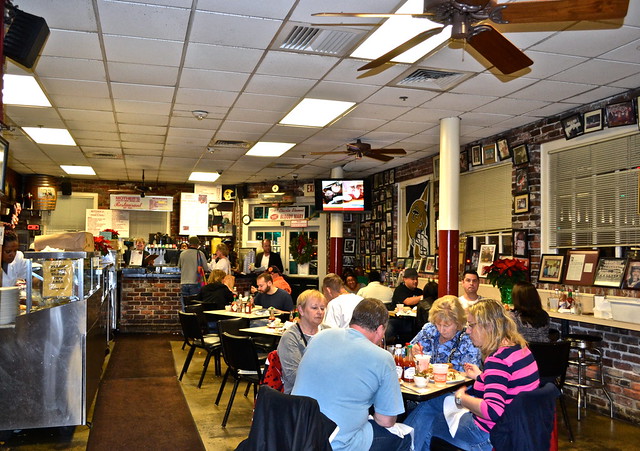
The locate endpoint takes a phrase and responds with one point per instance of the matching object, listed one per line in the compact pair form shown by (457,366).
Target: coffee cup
(440,371)
(420,381)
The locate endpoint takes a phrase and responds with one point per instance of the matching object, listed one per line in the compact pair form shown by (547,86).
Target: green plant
(301,249)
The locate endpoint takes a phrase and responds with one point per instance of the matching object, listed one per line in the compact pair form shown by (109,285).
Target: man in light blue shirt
(346,372)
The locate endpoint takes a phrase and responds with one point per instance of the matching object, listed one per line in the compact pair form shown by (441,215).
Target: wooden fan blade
(390,151)
(377,156)
(374,71)
(329,153)
(561,10)
(354,24)
(417,39)
(369,15)
(498,50)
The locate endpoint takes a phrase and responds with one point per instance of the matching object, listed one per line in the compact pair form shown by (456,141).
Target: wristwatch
(458,399)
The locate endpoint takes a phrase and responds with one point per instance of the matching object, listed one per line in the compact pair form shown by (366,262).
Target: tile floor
(594,433)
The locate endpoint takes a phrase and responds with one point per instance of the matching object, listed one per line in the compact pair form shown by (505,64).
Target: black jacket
(215,295)
(274,260)
(127,255)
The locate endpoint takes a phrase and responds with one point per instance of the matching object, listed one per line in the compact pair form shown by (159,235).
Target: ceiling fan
(468,20)
(360,149)
(142,189)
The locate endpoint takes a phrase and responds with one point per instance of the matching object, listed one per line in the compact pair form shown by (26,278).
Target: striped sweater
(507,372)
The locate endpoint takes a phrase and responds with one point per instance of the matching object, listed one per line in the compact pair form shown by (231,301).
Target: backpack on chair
(273,372)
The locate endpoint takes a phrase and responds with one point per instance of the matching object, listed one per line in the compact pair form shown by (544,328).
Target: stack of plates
(8,304)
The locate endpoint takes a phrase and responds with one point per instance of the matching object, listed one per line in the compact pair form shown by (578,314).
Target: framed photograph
(522,180)
(430,265)
(349,246)
(392,176)
(489,153)
(610,272)
(487,256)
(620,114)
(572,126)
(400,263)
(473,260)
(520,155)
(632,276)
(464,161)
(520,242)
(521,204)
(436,167)
(581,267)
(347,217)
(551,268)
(593,121)
(422,265)
(408,263)
(4,154)
(476,156)
(503,149)
(349,260)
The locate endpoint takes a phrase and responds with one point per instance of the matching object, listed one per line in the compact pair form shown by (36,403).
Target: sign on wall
(97,220)
(137,202)
(194,214)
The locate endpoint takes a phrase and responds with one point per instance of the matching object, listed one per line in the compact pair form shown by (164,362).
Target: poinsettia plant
(114,233)
(100,244)
(301,249)
(505,272)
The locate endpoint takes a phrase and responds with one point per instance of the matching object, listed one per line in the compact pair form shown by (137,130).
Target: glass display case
(61,277)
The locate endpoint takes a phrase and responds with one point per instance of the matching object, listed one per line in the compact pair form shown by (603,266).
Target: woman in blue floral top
(444,338)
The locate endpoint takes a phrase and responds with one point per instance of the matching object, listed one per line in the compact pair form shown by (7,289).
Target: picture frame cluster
(614,115)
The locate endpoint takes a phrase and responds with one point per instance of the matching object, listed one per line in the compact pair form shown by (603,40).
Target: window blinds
(485,199)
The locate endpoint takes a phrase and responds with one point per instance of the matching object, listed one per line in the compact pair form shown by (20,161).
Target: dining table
(264,331)
(411,392)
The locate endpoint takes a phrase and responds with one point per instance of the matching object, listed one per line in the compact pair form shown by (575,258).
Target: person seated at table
(278,280)
(531,319)
(294,342)
(348,373)
(376,290)
(271,296)
(137,256)
(407,292)
(470,284)
(215,294)
(509,369)
(444,338)
(429,295)
(341,302)
(221,260)
(351,283)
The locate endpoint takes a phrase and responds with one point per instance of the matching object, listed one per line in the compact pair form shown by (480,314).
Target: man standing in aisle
(376,290)
(266,258)
(271,296)
(353,355)
(341,302)
(470,284)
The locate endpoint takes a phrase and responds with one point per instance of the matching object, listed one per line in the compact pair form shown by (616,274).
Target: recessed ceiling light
(204,176)
(23,90)
(56,136)
(269,149)
(398,29)
(316,112)
(78,170)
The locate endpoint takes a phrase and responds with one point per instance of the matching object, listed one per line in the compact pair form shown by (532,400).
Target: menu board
(137,202)
(97,220)
(194,214)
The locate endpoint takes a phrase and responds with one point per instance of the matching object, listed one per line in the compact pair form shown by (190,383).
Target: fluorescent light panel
(23,90)
(316,112)
(269,149)
(56,136)
(399,29)
(204,176)
(78,170)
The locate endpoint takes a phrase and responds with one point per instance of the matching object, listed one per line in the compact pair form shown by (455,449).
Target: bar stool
(587,353)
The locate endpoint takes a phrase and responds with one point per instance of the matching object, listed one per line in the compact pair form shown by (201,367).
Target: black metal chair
(195,340)
(553,360)
(198,309)
(241,356)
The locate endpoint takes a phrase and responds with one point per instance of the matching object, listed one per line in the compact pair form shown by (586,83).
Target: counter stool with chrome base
(587,353)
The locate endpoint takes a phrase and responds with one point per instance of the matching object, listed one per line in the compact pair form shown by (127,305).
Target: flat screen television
(344,195)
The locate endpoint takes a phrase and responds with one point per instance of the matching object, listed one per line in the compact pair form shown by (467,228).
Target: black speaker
(25,38)
(65,187)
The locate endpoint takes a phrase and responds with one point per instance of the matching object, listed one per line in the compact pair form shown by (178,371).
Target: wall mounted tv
(343,195)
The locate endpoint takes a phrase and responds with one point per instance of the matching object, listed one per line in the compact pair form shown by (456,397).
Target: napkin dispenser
(602,307)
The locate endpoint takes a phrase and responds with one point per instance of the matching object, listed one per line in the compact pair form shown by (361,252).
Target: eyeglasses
(471,325)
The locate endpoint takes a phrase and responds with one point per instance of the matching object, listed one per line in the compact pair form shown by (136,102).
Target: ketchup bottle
(409,366)
(399,359)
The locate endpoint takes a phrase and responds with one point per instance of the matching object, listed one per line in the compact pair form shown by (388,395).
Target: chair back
(527,422)
(198,309)
(190,326)
(191,299)
(240,354)
(552,360)
(232,326)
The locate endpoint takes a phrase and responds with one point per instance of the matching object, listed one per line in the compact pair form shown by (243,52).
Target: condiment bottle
(399,359)
(409,365)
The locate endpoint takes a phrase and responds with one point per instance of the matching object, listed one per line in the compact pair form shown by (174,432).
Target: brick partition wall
(150,304)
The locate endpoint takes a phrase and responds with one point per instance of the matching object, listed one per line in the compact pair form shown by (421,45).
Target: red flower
(506,272)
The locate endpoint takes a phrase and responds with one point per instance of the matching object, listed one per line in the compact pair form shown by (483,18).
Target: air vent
(433,79)
(227,143)
(104,155)
(275,165)
(319,40)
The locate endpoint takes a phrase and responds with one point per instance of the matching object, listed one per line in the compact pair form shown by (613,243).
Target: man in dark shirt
(266,258)
(407,292)
(271,296)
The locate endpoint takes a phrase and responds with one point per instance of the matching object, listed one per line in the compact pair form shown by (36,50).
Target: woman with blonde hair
(509,369)
(443,336)
(311,305)
(215,294)
(221,259)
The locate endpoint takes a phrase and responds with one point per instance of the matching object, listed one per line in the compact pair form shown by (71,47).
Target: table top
(403,314)
(251,315)
(590,319)
(263,330)
(411,392)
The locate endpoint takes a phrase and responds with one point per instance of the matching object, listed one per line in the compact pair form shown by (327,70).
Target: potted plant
(504,273)
(302,251)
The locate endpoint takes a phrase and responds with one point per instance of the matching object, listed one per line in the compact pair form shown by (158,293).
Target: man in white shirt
(375,289)
(341,302)
(470,284)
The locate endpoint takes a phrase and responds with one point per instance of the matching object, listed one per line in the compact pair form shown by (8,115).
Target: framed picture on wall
(4,154)
(430,266)
(489,153)
(519,243)
(436,167)
(476,156)
(572,126)
(632,276)
(520,155)
(593,121)
(521,204)
(610,272)
(551,268)
(487,255)
(522,180)
(503,149)
(349,246)
(620,114)
(581,267)
(464,161)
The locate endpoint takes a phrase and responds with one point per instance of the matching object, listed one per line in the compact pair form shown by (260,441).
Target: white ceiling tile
(552,91)
(125,49)
(81,103)
(213,79)
(458,102)
(143,74)
(274,10)
(73,44)
(489,85)
(242,126)
(75,69)
(78,115)
(137,137)
(598,72)
(224,58)
(143,129)
(510,106)
(279,85)
(143,20)
(482,119)
(629,52)
(69,87)
(590,42)
(145,93)
(130,106)
(349,122)
(302,65)
(95,126)
(347,92)
(386,112)
(243,31)
(144,119)
(628,83)
(70,14)
(200,98)
(95,134)
(594,95)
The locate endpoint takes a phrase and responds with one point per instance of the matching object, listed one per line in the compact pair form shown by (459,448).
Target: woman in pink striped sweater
(509,369)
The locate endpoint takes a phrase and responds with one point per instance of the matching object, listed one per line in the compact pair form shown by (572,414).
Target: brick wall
(150,305)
